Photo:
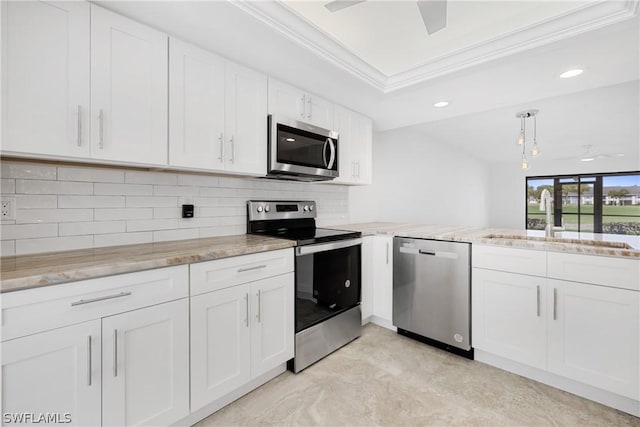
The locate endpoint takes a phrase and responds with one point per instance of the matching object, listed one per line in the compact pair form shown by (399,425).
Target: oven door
(298,148)
(327,280)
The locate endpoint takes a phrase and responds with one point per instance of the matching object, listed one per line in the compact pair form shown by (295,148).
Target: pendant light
(522,140)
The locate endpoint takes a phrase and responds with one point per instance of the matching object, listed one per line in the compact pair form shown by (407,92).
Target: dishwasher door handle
(437,254)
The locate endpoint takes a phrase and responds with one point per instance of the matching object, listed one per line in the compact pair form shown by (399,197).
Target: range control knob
(267,208)
(305,208)
(311,208)
(260,208)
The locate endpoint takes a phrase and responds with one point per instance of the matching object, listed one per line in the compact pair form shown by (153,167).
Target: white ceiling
(391,37)
(610,55)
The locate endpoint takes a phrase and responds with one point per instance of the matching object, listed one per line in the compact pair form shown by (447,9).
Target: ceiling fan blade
(434,14)
(337,5)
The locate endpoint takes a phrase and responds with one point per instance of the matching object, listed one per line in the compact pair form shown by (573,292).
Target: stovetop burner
(291,220)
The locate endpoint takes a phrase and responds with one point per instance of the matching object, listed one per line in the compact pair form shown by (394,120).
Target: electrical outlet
(8,208)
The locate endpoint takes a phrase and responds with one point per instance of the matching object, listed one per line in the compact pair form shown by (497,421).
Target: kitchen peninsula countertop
(31,271)
(566,241)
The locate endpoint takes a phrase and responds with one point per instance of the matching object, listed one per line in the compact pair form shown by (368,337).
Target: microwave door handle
(333,153)
(324,153)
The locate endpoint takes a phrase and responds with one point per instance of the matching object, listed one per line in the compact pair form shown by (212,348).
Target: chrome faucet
(545,206)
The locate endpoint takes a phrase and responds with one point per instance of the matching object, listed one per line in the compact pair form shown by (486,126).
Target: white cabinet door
(54,372)
(354,145)
(286,101)
(246,120)
(272,332)
(319,112)
(128,90)
(509,316)
(383,278)
(594,336)
(145,367)
(366,292)
(220,344)
(196,107)
(45,89)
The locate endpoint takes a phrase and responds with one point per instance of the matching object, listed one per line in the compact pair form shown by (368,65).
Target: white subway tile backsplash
(90,174)
(25,216)
(92,227)
(61,207)
(144,177)
(118,239)
(151,224)
(28,170)
(165,235)
(128,213)
(7,247)
(91,201)
(53,187)
(7,185)
(24,201)
(151,202)
(53,244)
(28,231)
(124,189)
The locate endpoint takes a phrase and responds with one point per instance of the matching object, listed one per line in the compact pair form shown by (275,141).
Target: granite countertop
(31,271)
(566,241)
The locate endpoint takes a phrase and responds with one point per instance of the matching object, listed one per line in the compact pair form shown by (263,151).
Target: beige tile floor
(389,380)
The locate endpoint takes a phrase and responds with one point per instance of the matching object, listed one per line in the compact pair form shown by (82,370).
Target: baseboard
(216,405)
(385,323)
(624,404)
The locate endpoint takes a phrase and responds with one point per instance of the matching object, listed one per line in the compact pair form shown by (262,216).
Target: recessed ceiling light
(587,159)
(571,73)
(441,104)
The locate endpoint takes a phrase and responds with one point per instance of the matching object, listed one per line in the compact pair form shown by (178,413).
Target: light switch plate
(8,209)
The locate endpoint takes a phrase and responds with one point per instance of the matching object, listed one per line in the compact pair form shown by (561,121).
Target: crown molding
(297,28)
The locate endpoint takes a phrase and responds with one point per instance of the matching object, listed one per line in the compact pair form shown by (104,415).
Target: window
(596,203)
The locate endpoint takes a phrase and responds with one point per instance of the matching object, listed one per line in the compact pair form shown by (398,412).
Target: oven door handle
(324,247)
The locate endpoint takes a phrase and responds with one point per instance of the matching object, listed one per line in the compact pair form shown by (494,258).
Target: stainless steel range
(327,287)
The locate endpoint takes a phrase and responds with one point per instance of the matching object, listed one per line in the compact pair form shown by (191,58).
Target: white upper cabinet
(128,90)
(196,107)
(45,89)
(217,113)
(293,103)
(245,120)
(355,146)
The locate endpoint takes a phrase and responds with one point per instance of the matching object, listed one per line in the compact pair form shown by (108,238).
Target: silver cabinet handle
(233,149)
(101,129)
(89,360)
(80,129)
(220,140)
(88,301)
(358,173)
(538,300)
(115,352)
(309,104)
(259,315)
(555,303)
(257,267)
(246,319)
(302,109)
(387,253)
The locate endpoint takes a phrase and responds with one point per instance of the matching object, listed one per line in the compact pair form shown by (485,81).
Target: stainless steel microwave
(300,151)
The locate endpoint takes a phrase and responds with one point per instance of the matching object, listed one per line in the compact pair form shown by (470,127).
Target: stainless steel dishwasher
(432,292)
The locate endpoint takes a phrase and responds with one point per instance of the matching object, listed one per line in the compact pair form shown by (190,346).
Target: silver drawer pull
(89,360)
(257,267)
(87,301)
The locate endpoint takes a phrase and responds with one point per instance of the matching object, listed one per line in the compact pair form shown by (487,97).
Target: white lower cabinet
(145,366)
(55,372)
(594,336)
(238,334)
(383,278)
(509,316)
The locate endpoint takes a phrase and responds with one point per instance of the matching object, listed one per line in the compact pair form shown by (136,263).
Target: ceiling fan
(434,12)
(589,155)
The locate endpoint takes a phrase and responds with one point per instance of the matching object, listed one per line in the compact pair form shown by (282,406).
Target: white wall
(65,207)
(507,181)
(421,181)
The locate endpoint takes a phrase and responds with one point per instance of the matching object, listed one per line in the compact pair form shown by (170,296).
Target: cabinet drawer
(222,273)
(34,310)
(521,261)
(598,270)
